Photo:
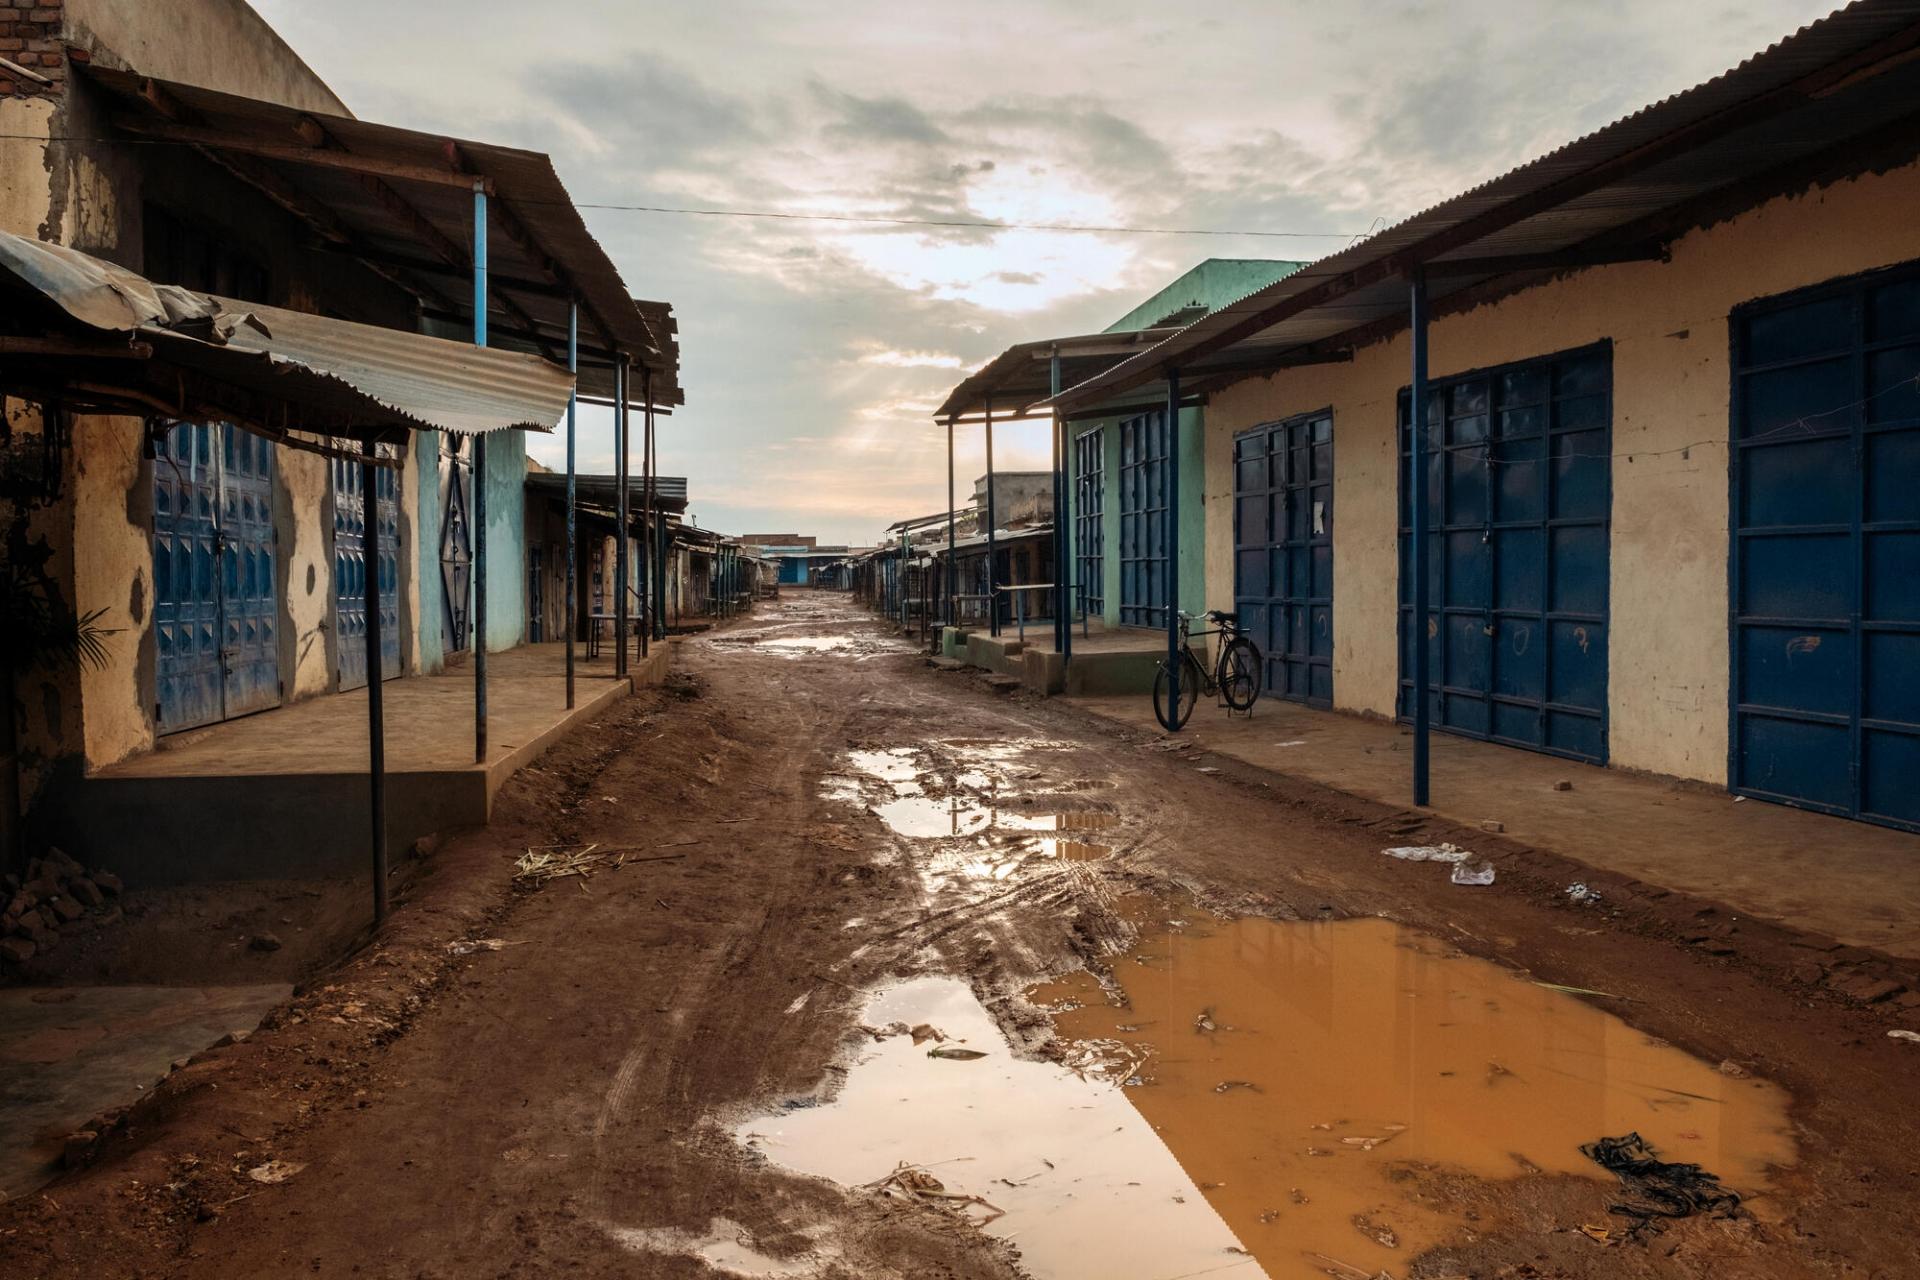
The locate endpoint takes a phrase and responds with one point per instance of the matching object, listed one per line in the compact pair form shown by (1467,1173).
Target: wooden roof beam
(297,153)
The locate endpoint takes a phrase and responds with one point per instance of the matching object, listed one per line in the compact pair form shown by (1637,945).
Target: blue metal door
(456,540)
(350,570)
(249,593)
(1825,572)
(1089,520)
(216,595)
(1518,552)
(1143,521)
(186,585)
(1283,552)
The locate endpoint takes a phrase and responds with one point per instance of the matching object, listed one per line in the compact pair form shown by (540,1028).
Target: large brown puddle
(1294,1068)
(1252,1098)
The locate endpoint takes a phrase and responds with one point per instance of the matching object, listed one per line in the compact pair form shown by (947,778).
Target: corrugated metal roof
(1763,127)
(339,373)
(1021,376)
(670,492)
(412,218)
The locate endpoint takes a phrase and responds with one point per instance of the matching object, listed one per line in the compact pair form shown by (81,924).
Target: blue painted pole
(621,469)
(1173,546)
(1063,523)
(376,695)
(953,563)
(1417,428)
(479,488)
(993,602)
(573,400)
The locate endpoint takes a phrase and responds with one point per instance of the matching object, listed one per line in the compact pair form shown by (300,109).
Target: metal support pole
(1417,427)
(993,611)
(621,468)
(1063,521)
(1173,545)
(479,488)
(953,562)
(659,579)
(376,695)
(568,620)
(646,503)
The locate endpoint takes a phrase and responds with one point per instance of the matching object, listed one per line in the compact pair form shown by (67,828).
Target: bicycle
(1235,677)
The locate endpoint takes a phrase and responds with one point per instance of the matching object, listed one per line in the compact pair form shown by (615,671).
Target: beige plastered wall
(1668,322)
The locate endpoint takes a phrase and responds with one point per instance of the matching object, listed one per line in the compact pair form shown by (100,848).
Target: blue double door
(1283,552)
(216,591)
(1825,578)
(1144,512)
(351,511)
(1518,546)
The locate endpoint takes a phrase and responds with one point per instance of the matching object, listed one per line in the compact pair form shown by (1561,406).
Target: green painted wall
(426,471)
(1208,287)
(1192,513)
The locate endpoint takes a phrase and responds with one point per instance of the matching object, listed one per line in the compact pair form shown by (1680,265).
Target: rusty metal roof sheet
(339,374)
(402,202)
(670,492)
(1770,126)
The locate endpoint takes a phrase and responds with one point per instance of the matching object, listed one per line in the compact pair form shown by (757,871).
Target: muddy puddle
(982,806)
(1252,1098)
(856,647)
(1305,1074)
(1062,1163)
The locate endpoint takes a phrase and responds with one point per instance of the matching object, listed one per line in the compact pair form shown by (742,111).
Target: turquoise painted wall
(426,468)
(506,539)
(1192,512)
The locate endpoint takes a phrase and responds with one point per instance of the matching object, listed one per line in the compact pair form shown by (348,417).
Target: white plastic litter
(1912,1037)
(1580,893)
(1428,853)
(1465,874)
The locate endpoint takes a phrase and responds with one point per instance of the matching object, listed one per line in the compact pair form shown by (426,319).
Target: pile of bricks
(58,896)
(31,34)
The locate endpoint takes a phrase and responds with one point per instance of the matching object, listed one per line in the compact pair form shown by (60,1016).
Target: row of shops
(1611,458)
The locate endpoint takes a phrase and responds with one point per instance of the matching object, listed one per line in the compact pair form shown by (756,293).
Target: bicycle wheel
(1239,674)
(1191,678)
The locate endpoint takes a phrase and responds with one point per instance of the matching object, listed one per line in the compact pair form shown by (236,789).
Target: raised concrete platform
(1849,880)
(1121,661)
(286,792)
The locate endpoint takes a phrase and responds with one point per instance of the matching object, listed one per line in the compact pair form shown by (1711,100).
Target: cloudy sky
(813,352)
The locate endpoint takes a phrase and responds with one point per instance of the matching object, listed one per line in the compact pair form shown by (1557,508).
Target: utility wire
(985,224)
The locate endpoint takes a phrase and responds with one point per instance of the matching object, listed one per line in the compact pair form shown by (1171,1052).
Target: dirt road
(1261,1047)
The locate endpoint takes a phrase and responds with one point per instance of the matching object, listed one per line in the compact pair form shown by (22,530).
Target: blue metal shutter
(350,571)
(250,594)
(1519,548)
(1283,557)
(1089,517)
(1143,521)
(1825,563)
(186,589)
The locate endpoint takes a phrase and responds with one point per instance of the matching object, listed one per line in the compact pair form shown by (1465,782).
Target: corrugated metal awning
(669,492)
(1839,97)
(324,375)
(401,202)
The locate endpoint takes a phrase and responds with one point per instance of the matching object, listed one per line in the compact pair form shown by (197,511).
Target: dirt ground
(565,1103)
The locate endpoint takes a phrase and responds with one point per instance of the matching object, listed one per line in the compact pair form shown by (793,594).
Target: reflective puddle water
(1079,1181)
(1293,1069)
(984,806)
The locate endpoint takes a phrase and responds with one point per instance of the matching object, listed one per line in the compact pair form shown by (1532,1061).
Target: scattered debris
(1344,1270)
(954,1054)
(1911,1037)
(264,942)
(1581,893)
(470,946)
(1733,1070)
(910,1182)
(1492,824)
(1480,874)
(1660,1188)
(1378,1232)
(924,1032)
(274,1172)
(54,892)
(1227,1086)
(1596,1231)
(540,864)
(1369,1143)
(1428,853)
(1564,989)
(1563,785)
(1203,1022)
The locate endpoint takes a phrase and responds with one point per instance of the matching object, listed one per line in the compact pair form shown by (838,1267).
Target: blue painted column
(993,602)
(376,695)
(479,488)
(573,367)
(1173,546)
(953,569)
(622,468)
(1417,428)
(1063,522)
